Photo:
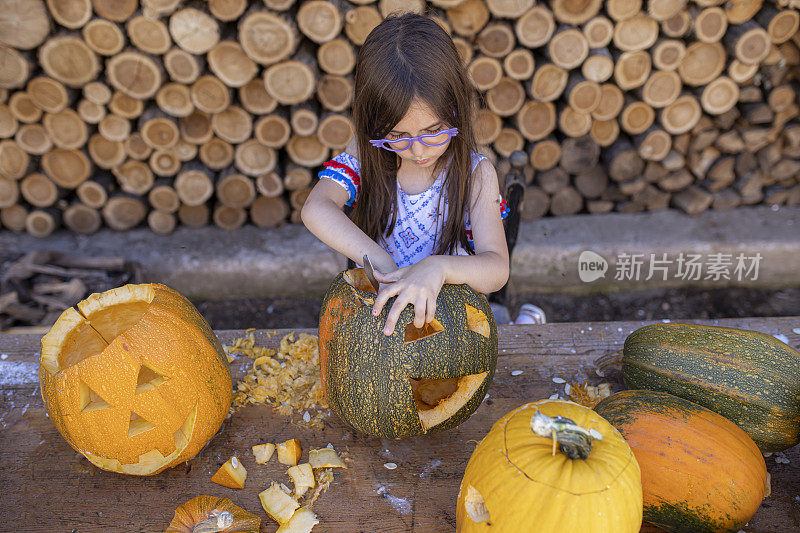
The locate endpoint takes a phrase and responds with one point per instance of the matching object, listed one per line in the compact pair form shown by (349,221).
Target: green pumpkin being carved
(414,381)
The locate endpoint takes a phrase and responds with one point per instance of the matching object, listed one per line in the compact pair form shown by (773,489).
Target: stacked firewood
(160,112)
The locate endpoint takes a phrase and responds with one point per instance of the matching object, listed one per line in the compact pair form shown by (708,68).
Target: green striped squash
(416,380)
(749,377)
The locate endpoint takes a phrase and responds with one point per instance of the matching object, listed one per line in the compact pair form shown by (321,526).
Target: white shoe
(530,314)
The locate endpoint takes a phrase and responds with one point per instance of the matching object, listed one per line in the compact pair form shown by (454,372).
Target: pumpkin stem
(216,521)
(573,440)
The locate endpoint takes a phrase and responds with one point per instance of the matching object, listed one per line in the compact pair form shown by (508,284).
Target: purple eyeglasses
(404,143)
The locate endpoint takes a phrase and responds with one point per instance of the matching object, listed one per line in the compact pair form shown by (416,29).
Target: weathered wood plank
(49,487)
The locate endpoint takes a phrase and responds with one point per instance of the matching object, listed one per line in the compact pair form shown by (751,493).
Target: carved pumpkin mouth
(439,399)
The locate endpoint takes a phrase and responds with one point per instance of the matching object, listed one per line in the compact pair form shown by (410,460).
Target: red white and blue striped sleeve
(344,170)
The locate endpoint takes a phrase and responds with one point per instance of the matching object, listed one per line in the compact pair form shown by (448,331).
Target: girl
(426,208)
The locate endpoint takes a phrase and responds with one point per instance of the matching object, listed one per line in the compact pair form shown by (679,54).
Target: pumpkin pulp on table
(417,379)
(135,379)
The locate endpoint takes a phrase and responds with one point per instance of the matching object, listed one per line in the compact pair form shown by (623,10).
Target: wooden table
(47,486)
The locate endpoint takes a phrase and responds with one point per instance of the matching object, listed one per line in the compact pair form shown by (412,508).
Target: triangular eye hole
(138,425)
(413,333)
(477,321)
(148,379)
(90,400)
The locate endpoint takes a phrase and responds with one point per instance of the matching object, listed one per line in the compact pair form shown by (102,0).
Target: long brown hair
(404,58)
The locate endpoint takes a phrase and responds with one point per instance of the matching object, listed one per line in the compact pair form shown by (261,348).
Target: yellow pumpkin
(520,478)
(135,379)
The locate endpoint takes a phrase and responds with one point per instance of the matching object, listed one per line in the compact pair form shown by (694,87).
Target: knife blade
(368,270)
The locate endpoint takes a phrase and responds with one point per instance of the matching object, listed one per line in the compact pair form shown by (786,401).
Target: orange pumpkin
(210,513)
(135,379)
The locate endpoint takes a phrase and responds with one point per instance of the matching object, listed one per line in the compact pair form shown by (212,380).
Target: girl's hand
(418,284)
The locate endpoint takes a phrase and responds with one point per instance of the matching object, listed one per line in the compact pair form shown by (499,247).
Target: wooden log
(700,162)
(175,99)
(721,174)
(133,74)
(567,48)
(193,30)
(164,163)
(725,199)
(233,124)
(296,178)
(14,160)
(611,103)
(292,81)
(676,181)
(545,154)
(667,54)
(485,72)
(632,69)
(194,216)
(387,7)
(535,27)
(94,193)
(134,177)
(185,151)
(467,18)
(279,5)
(160,222)
(8,122)
(663,10)
(591,182)
(632,187)
(598,66)
(196,127)
(573,123)
(82,219)
(235,190)
(750,187)
(149,35)
(487,126)
(103,37)
(9,192)
(227,10)
(255,99)
(623,9)
(307,151)
(536,120)
(509,141)
(535,203)
(33,139)
(678,25)
(253,158)
(598,31)
(781,97)
(269,184)
(216,154)
(230,64)
(675,160)
(209,94)
(548,82)
(748,42)
(510,9)
(116,10)
(194,185)
(282,42)
(710,24)
(681,115)
(575,12)
(506,98)
(268,212)
(298,197)
(636,33)
(567,201)
(66,129)
(464,49)
(16,68)
(114,128)
(636,117)
(335,93)
(22,107)
(104,153)
(182,66)
(51,96)
(13,218)
(24,25)
(304,118)
(496,40)
(693,200)
(335,130)
(581,94)
(604,132)
(90,112)
(124,106)
(336,56)
(163,197)
(38,190)
(319,20)
(780,24)
(273,130)
(741,11)
(579,154)
(661,89)
(720,96)
(623,161)
(653,144)
(122,213)
(42,222)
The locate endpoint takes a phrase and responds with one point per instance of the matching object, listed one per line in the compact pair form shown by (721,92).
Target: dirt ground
(673,304)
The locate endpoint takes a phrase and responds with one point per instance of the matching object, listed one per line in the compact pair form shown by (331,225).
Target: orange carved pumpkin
(135,379)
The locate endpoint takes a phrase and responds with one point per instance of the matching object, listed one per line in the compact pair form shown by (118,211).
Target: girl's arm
(486,271)
(323,215)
